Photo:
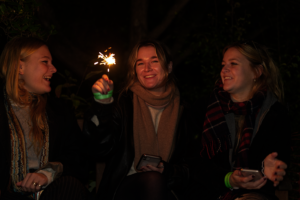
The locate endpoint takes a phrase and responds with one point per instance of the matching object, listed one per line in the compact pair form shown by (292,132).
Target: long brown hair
(259,57)
(164,58)
(16,50)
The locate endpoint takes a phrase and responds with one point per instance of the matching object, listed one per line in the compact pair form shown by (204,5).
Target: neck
(240,97)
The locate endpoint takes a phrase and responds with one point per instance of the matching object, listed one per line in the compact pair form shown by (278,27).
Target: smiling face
(37,70)
(237,75)
(149,70)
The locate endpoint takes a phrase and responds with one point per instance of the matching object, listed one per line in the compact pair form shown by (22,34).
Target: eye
(233,63)
(139,64)
(155,61)
(45,61)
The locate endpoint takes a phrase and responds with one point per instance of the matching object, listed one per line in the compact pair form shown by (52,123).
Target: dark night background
(195,32)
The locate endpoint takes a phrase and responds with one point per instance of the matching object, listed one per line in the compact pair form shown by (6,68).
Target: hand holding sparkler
(105,87)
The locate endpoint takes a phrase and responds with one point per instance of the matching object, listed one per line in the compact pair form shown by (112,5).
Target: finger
(24,182)
(280,172)
(32,183)
(261,183)
(273,155)
(19,184)
(105,77)
(111,84)
(161,165)
(278,178)
(95,87)
(152,168)
(106,86)
(247,179)
(281,165)
(102,88)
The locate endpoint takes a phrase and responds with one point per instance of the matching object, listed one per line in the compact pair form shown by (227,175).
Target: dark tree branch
(183,56)
(168,19)
(139,26)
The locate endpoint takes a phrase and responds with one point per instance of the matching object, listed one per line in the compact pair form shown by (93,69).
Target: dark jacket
(112,141)
(273,134)
(66,142)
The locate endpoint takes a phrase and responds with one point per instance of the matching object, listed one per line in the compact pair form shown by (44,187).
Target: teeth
(227,77)
(149,76)
(47,78)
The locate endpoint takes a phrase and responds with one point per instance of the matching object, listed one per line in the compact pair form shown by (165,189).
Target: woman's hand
(238,180)
(103,85)
(149,168)
(274,169)
(33,182)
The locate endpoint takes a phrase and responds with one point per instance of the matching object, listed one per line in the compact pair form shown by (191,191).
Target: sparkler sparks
(106,60)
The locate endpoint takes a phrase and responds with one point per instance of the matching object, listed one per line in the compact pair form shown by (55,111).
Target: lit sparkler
(106,60)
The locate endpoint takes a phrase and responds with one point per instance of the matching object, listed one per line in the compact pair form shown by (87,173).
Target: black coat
(274,135)
(112,142)
(66,142)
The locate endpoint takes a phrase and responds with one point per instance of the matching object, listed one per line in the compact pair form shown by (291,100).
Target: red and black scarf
(216,136)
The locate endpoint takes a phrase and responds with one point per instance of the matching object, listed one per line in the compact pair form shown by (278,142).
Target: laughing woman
(147,118)
(39,139)
(245,126)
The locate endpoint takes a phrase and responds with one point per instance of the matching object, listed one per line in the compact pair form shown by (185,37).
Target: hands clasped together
(33,182)
(274,170)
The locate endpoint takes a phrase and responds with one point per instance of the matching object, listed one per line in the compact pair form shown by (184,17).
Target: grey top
(33,160)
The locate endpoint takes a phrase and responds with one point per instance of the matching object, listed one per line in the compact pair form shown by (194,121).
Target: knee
(150,179)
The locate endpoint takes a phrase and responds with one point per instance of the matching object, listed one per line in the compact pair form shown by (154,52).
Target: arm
(102,123)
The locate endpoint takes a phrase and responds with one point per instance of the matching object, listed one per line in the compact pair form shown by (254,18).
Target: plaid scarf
(216,136)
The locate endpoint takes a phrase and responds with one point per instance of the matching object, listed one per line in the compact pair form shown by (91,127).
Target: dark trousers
(66,187)
(144,186)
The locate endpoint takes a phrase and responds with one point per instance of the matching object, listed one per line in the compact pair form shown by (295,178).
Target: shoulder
(278,109)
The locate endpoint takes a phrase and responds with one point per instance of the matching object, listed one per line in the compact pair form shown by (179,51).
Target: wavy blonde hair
(16,50)
(259,57)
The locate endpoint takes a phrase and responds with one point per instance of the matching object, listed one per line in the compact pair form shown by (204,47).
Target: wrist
(100,96)
(227,180)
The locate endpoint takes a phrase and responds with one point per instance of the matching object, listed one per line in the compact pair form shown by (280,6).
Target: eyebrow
(142,59)
(231,60)
(46,57)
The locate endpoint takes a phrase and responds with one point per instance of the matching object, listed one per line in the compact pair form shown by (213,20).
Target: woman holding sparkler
(245,127)
(39,140)
(148,117)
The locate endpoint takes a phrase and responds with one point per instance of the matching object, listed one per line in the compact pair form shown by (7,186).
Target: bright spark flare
(107,60)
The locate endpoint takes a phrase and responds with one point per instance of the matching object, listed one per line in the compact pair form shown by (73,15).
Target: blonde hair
(16,50)
(164,58)
(259,57)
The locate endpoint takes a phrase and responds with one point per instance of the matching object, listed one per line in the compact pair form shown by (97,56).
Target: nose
(148,67)
(53,69)
(225,68)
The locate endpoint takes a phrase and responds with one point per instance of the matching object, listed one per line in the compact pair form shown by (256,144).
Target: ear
(170,67)
(21,68)
(258,71)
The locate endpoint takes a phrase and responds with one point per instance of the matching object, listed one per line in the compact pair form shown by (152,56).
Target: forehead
(146,52)
(42,52)
(233,54)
